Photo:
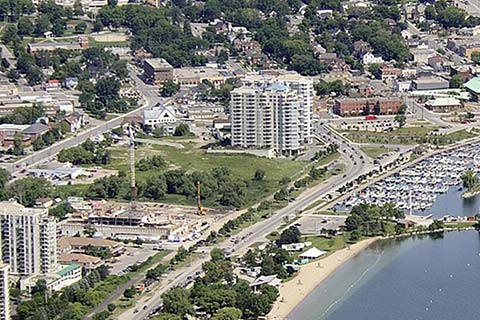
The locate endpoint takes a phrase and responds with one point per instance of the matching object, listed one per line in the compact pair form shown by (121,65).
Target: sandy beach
(309,277)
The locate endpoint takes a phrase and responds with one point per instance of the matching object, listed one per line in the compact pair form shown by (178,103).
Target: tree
(103,315)
(61,210)
(259,175)
(25,27)
(18,144)
(78,8)
(81,27)
(290,235)
(98,26)
(470,179)
(176,301)
(10,34)
(282,194)
(28,190)
(374,69)
(401,119)
(42,25)
(169,89)
(129,292)
(475,56)
(182,130)
(456,81)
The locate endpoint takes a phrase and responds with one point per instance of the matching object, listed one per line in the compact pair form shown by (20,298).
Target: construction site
(139,220)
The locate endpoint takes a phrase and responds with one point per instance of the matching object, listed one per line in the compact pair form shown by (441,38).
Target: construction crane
(133,187)
(201,210)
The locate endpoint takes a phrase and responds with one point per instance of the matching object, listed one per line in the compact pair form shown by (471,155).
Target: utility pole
(133,187)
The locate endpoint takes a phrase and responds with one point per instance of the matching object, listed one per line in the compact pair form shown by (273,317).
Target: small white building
(158,116)
(370,58)
(312,253)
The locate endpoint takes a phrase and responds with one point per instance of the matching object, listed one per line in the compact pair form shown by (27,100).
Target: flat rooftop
(158,63)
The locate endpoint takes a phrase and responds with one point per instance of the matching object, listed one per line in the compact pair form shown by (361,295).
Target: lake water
(423,277)
(452,203)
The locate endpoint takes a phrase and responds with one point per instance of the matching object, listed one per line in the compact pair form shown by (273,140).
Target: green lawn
(327,244)
(374,152)
(193,159)
(413,135)
(94,43)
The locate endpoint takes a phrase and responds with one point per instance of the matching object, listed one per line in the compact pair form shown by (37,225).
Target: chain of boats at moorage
(417,187)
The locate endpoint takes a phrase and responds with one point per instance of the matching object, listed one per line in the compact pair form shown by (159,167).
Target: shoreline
(310,276)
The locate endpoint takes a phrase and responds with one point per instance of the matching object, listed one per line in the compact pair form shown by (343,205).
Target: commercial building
(4,292)
(79,244)
(443,104)
(28,239)
(51,45)
(157,71)
(430,84)
(365,106)
(193,76)
(87,262)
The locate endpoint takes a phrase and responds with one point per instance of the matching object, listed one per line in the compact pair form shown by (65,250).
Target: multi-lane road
(256,233)
(150,98)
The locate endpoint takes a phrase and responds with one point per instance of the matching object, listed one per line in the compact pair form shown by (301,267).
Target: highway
(258,231)
(150,99)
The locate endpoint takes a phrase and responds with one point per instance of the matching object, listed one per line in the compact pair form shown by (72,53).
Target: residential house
(75,121)
(370,58)
(389,73)
(70,83)
(53,84)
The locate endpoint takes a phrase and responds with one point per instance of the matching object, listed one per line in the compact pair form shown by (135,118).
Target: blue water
(452,203)
(424,278)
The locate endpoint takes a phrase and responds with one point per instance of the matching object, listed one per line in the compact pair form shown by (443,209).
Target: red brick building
(359,107)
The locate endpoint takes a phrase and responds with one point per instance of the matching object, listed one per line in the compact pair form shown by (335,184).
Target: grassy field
(194,159)
(94,43)
(374,152)
(414,135)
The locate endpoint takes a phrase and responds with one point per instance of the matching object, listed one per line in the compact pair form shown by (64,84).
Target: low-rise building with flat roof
(54,281)
(78,245)
(366,106)
(87,262)
(193,76)
(157,70)
(430,84)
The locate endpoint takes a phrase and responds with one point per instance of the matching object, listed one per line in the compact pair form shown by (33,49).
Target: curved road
(258,231)
(150,99)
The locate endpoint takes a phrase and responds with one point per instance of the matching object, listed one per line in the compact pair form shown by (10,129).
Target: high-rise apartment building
(28,239)
(4,293)
(273,112)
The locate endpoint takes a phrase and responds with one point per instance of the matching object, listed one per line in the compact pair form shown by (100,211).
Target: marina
(417,188)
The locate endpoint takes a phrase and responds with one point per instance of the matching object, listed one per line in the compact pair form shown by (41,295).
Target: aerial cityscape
(239,159)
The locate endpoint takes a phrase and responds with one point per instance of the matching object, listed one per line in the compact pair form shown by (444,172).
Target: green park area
(408,135)
(169,174)
(374,152)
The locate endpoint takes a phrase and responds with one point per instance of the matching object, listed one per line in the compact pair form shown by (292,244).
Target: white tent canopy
(312,253)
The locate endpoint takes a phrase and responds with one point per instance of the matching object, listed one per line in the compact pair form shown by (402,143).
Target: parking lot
(313,223)
(131,256)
